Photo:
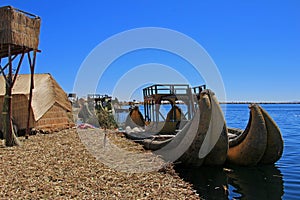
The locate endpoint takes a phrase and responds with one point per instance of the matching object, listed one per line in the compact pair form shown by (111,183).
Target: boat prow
(215,145)
(249,146)
(202,140)
(259,143)
(184,147)
(274,147)
(135,118)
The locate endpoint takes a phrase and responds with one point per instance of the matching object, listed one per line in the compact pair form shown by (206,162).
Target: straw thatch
(50,107)
(18,29)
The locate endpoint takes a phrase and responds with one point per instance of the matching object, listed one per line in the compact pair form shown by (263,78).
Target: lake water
(278,181)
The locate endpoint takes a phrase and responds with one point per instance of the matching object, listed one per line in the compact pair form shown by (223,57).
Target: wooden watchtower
(19,38)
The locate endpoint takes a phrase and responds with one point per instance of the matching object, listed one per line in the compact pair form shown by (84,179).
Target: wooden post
(10,138)
(157,106)
(31,65)
(190,103)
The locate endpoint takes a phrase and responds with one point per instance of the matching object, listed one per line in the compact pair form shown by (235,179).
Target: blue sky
(255,44)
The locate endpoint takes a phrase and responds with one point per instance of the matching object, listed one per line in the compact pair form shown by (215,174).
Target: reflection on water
(210,182)
(232,182)
(261,182)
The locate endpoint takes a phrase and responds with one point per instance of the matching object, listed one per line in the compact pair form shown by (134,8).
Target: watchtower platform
(19,35)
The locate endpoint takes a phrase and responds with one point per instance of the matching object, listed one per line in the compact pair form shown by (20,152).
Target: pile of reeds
(59,166)
(19,28)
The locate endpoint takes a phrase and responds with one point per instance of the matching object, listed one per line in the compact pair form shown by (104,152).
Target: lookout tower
(19,40)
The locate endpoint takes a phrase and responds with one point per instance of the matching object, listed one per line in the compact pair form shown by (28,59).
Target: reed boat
(169,126)
(210,145)
(135,118)
(201,141)
(260,143)
(158,130)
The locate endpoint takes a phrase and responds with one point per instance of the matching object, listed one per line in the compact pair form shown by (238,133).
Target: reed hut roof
(46,92)
(19,29)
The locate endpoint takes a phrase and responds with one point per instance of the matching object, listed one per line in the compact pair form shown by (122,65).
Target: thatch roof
(46,93)
(19,29)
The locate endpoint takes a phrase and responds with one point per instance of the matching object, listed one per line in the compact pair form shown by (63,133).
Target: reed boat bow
(260,143)
(202,141)
(274,147)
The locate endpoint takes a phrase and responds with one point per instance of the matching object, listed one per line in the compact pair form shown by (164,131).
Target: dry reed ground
(58,166)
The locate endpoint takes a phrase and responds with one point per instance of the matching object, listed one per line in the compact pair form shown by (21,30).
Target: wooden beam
(11,59)
(18,69)
(32,66)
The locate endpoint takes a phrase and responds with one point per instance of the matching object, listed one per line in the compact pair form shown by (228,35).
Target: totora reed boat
(260,143)
(204,139)
(201,141)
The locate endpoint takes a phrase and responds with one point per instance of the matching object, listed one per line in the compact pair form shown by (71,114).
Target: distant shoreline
(238,102)
(249,102)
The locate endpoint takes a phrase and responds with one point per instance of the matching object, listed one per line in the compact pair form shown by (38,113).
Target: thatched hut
(50,107)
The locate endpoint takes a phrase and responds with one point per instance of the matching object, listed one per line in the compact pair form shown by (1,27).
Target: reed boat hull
(249,147)
(215,154)
(135,118)
(259,143)
(274,147)
(204,138)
